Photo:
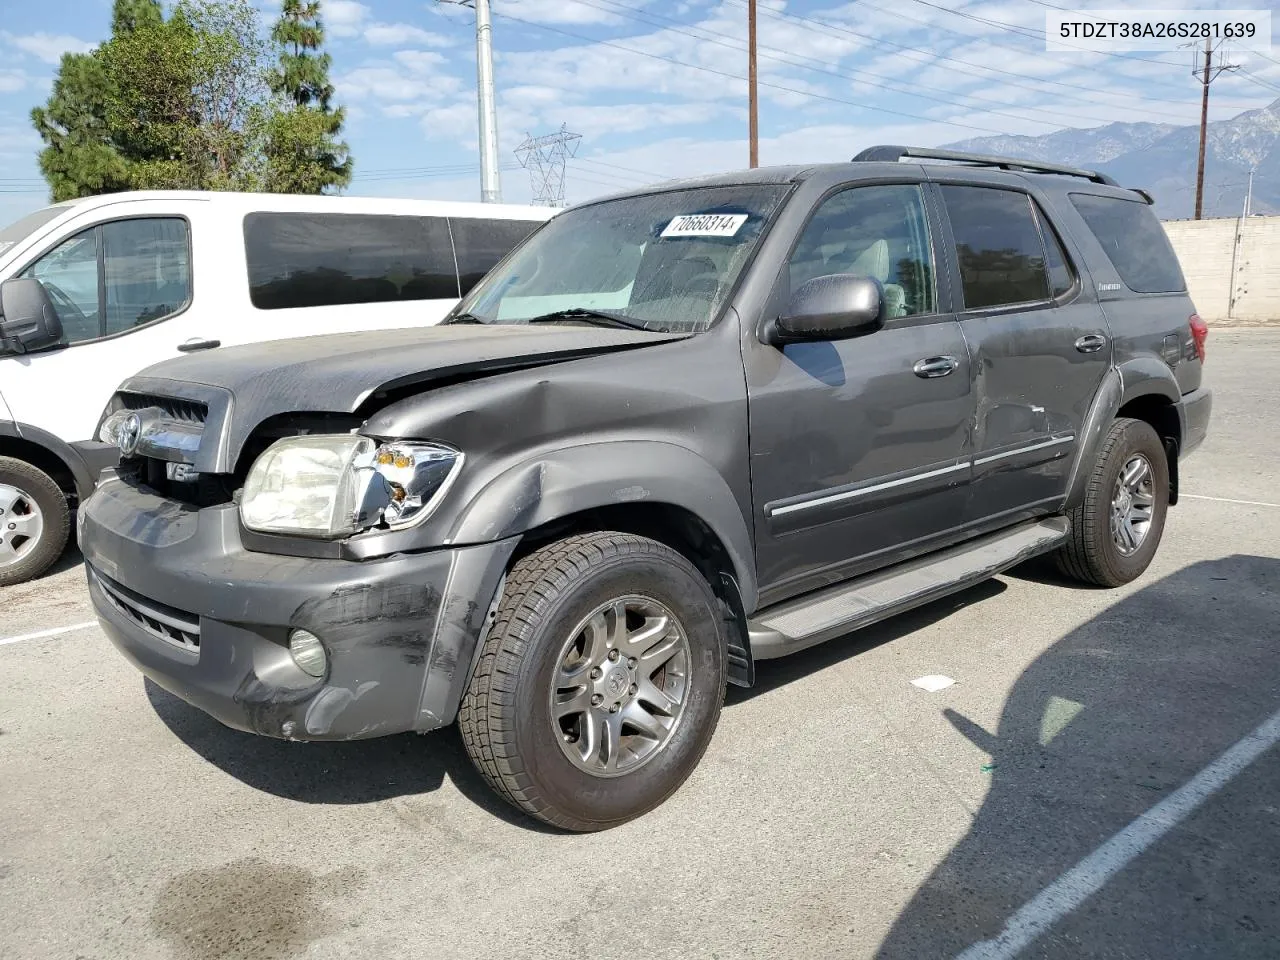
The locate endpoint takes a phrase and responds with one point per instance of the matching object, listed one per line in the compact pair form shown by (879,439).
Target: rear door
(1039,343)
(859,447)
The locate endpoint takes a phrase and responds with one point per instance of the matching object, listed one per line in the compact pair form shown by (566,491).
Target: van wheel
(600,682)
(1117,527)
(34,521)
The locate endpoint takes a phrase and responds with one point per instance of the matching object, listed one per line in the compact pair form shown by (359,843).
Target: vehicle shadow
(1113,718)
(361,771)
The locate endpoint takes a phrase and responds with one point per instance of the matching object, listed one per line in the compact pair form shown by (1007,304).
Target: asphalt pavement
(1100,781)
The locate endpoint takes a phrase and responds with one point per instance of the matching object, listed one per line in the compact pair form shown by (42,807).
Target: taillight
(1199,333)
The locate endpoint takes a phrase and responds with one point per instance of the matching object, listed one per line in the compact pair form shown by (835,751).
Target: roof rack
(892,154)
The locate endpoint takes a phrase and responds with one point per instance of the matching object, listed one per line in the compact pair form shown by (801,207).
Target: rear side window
(325,259)
(998,246)
(1134,241)
(480,244)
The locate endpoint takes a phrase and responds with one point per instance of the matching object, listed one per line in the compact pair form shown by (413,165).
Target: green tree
(81,155)
(303,152)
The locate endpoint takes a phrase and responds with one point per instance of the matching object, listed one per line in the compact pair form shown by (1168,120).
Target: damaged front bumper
(209,621)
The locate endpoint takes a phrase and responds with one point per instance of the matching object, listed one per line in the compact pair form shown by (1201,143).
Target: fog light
(308,652)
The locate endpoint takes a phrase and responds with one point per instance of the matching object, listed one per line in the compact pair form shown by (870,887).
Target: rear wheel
(34,521)
(1117,527)
(600,682)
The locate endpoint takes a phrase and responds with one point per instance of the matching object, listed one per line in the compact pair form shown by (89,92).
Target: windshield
(665,260)
(28,224)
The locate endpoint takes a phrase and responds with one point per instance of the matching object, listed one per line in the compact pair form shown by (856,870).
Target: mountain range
(1161,158)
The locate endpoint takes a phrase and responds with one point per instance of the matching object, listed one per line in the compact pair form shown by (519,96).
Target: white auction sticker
(705,225)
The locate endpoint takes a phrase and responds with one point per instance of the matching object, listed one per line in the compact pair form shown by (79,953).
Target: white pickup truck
(136,278)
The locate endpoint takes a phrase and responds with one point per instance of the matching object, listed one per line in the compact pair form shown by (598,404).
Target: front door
(1040,348)
(122,290)
(859,447)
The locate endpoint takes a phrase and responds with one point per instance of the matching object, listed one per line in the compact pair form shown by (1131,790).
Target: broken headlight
(335,486)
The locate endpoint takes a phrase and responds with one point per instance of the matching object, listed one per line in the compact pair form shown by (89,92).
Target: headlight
(109,432)
(334,486)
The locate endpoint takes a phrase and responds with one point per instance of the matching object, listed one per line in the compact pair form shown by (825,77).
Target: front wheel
(1117,527)
(35,521)
(600,682)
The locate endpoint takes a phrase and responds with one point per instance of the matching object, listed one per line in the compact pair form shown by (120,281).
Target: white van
(136,278)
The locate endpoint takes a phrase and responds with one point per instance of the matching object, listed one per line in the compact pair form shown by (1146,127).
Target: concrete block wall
(1232,266)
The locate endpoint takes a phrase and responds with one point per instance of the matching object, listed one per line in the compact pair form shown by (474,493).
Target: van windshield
(32,222)
(664,261)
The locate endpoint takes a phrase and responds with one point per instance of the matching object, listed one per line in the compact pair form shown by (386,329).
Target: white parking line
(1246,503)
(1092,873)
(56,631)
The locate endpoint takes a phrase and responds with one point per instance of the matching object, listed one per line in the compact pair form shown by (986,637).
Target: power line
(733,76)
(1029,32)
(827,26)
(878,81)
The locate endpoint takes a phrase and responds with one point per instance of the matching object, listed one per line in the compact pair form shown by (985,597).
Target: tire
(26,493)
(507,715)
(1094,553)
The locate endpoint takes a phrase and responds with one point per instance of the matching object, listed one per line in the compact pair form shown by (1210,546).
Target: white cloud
(344,18)
(48,47)
(558,11)
(415,77)
(12,80)
(403,34)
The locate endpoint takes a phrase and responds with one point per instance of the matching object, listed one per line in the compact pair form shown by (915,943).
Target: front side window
(480,244)
(69,272)
(326,259)
(998,246)
(880,232)
(147,271)
(664,261)
(117,276)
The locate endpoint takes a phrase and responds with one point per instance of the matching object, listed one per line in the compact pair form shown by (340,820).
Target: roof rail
(892,154)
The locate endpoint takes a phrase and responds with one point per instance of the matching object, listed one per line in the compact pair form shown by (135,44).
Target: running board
(834,611)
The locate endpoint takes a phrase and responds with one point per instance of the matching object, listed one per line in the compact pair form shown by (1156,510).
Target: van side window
(480,244)
(1133,241)
(146,270)
(880,232)
(998,246)
(117,276)
(69,272)
(325,259)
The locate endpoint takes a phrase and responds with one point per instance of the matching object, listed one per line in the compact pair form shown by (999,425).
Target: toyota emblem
(130,435)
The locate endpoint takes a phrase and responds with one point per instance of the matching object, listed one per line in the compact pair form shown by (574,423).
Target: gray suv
(675,432)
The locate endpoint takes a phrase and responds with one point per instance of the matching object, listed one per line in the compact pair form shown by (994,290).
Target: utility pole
(1206,77)
(1248,195)
(490,184)
(490,181)
(753,107)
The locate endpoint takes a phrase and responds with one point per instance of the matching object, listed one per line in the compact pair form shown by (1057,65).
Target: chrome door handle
(196,344)
(1091,343)
(931,367)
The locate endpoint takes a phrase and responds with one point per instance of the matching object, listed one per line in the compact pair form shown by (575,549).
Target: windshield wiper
(604,318)
(464,318)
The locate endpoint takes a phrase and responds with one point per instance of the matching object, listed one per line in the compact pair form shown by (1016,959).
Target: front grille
(173,626)
(186,411)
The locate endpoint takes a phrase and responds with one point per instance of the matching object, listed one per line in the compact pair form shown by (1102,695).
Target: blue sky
(656,87)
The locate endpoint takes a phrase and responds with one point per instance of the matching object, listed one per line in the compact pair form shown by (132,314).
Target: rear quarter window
(1134,242)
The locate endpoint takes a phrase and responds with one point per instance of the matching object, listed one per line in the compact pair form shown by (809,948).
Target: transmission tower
(545,157)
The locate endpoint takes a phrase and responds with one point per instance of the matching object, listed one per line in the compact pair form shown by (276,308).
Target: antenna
(545,158)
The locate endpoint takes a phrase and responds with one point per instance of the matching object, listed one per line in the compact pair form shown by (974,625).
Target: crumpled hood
(243,386)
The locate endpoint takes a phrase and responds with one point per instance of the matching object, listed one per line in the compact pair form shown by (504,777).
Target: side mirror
(28,320)
(831,308)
